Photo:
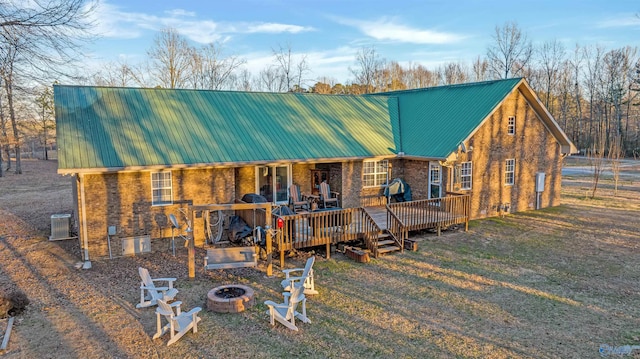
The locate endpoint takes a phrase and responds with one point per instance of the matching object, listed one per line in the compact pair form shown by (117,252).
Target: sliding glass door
(273,182)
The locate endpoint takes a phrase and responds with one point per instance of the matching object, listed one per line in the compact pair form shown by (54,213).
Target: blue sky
(330,32)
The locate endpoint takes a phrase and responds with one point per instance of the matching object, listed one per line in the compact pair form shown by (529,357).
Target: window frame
(511,125)
(468,176)
(377,164)
(510,172)
(159,184)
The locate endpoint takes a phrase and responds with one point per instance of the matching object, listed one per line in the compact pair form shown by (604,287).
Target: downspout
(85,234)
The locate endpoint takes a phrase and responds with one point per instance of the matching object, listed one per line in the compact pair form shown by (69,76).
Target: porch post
(191,249)
(269,240)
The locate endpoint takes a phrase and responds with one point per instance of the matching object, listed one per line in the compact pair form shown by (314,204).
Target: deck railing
(370,232)
(318,228)
(433,213)
(396,228)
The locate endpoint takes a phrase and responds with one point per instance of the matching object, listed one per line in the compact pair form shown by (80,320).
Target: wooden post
(192,249)
(328,249)
(269,240)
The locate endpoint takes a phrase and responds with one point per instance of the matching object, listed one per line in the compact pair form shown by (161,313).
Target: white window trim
(153,199)
(274,166)
(376,173)
(437,167)
(462,175)
(511,125)
(507,172)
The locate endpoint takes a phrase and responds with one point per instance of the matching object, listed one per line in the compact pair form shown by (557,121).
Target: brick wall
(124,200)
(532,146)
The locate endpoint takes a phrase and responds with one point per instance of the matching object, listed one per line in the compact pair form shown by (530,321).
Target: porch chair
(178,323)
(296,199)
(286,313)
(327,196)
(150,294)
(305,279)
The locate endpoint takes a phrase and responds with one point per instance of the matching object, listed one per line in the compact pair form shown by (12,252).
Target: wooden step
(383,235)
(383,250)
(385,242)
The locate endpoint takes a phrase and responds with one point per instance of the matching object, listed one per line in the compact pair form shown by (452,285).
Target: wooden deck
(379,215)
(312,229)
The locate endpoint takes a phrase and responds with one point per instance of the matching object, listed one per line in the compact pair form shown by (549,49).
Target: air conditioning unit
(60,225)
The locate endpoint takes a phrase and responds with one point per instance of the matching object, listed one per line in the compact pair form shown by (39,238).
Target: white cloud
(623,20)
(386,29)
(180,12)
(112,22)
(275,28)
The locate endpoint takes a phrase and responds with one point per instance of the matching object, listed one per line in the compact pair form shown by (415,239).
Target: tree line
(591,91)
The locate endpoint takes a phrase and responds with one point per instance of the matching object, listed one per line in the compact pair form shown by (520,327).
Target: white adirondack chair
(306,278)
(286,312)
(149,293)
(178,323)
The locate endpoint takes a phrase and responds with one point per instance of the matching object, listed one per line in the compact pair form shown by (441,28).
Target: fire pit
(231,298)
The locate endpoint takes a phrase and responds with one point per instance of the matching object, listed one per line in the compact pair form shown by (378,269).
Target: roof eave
(101,170)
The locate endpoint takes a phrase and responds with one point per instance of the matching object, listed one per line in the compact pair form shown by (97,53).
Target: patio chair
(178,323)
(305,279)
(327,196)
(286,313)
(150,294)
(296,199)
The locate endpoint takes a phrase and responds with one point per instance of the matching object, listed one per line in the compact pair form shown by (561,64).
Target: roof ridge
(466,84)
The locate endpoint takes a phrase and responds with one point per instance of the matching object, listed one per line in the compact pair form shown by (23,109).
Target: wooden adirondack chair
(296,199)
(286,313)
(305,279)
(178,323)
(327,197)
(150,294)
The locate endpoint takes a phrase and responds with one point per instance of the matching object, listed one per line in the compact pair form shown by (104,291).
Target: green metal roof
(433,121)
(117,128)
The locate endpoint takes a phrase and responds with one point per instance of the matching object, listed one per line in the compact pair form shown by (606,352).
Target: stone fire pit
(231,298)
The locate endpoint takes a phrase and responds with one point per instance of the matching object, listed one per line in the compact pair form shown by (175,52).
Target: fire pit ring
(230,298)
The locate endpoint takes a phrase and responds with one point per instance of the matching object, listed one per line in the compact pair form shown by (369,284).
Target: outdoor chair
(150,294)
(296,199)
(327,197)
(305,279)
(286,313)
(178,323)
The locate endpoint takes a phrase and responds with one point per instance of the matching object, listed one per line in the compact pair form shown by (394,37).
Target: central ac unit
(60,224)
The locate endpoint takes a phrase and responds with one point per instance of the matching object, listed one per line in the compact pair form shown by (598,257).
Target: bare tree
(211,70)
(616,154)
(480,69)
(45,123)
(171,56)
(292,68)
(597,158)
(453,73)
(368,66)
(270,79)
(37,40)
(551,56)
(511,51)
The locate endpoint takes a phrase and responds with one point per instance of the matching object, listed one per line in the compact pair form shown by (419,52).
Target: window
(465,175)
(509,172)
(511,126)
(375,173)
(161,189)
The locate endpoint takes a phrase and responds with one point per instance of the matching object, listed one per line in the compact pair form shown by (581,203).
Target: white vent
(136,245)
(60,224)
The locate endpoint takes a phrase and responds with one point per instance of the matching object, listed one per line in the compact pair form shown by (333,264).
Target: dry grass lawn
(556,283)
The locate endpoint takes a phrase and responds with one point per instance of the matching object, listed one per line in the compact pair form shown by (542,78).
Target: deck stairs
(386,244)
